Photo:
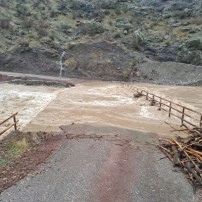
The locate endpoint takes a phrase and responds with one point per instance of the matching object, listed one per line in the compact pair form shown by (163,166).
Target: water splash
(61,63)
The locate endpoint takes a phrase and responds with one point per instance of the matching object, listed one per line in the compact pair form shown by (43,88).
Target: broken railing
(186,115)
(14,124)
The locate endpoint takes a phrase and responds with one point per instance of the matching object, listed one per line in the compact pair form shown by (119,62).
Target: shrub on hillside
(137,40)
(116,35)
(24,43)
(92,29)
(64,28)
(105,4)
(95,28)
(22,10)
(27,23)
(100,16)
(62,6)
(53,14)
(4,3)
(42,32)
(190,56)
(117,10)
(106,12)
(74,5)
(4,23)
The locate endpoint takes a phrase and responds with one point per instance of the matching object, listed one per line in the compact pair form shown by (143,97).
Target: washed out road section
(100,104)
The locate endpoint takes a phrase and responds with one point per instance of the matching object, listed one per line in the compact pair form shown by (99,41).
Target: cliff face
(106,39)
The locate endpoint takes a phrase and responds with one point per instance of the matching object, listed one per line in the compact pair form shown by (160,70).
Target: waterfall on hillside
(61,63)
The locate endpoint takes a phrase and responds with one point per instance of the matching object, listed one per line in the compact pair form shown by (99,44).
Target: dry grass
(196,21)
(13,150)
(4,162)
(179,34)
(18,147)
(22,152)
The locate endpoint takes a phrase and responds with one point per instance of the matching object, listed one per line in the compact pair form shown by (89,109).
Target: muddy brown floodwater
(26,100)
(107,103)
(97,103)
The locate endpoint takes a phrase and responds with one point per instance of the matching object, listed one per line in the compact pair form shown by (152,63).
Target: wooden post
(200,124)
(147,97)
(160,103)
(15,123)
(170,109)
(183,109)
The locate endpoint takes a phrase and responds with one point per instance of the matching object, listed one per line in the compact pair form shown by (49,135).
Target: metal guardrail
(181,112)
(12,125)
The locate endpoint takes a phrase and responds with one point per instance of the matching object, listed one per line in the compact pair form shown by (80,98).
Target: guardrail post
(170,107)
(183,109)
(160,103)
(200,124)
(168,104)
(15,122)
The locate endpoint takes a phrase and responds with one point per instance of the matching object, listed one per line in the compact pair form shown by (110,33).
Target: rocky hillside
(105,39)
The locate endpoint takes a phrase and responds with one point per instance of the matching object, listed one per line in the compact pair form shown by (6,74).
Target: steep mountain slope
(105,39)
